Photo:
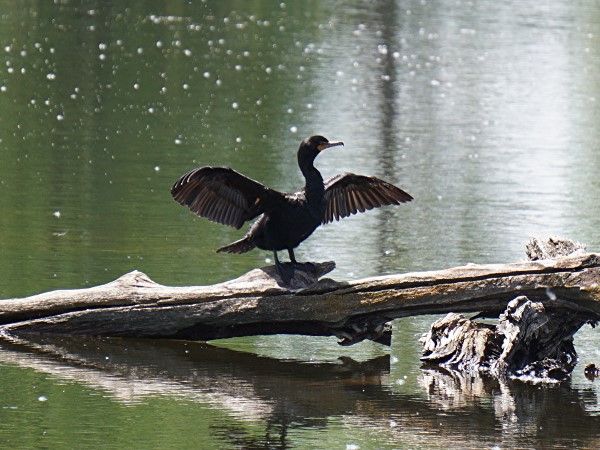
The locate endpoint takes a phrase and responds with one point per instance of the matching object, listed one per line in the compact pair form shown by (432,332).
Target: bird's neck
(314,182)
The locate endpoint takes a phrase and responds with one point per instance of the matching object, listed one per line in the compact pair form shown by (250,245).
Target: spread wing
(349,193)
(223,195)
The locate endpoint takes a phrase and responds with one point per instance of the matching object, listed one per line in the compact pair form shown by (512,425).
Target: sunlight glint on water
(485,112)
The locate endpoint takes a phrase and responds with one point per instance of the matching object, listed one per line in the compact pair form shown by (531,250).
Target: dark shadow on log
(351,332)
(304,274)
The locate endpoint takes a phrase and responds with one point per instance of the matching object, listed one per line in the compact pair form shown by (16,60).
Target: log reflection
(286,395)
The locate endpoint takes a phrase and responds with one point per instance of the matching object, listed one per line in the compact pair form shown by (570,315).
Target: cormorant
(225,196)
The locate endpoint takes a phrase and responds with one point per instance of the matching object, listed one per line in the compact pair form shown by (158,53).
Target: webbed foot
(285,271)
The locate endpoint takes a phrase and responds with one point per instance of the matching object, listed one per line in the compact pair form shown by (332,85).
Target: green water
(485,112)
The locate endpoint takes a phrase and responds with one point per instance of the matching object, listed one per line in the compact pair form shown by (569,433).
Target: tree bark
(530,342)
(259,304)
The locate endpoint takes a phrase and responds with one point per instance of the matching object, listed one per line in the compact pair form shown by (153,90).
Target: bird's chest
(289,228)
(299,220)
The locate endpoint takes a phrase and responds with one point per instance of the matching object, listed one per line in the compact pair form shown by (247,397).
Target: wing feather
(357,199)
(348,193)
(223,195)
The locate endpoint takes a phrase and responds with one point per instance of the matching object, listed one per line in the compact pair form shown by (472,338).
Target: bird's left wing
(223,195)
(349,193)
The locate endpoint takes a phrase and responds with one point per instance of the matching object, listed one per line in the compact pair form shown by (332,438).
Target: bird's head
(311,146)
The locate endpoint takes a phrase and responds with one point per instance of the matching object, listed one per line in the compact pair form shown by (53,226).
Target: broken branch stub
(530,342)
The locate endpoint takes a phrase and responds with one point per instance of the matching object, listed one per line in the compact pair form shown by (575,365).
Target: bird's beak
(329,144)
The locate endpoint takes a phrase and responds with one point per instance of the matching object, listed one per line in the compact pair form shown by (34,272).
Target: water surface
(485,112)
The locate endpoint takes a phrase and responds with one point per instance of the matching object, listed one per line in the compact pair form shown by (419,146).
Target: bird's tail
(242,246)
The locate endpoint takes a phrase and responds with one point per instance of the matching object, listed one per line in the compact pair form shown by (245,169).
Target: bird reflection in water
(225,196)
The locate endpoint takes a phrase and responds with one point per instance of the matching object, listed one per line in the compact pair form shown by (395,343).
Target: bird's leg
(278,264)
(292,257)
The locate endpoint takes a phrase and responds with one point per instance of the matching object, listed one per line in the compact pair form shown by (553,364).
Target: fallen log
(258,304)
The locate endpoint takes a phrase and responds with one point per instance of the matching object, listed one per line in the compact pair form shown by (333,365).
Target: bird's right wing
(349,193)
(223,195)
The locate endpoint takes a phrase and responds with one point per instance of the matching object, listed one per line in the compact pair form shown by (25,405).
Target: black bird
(225,196)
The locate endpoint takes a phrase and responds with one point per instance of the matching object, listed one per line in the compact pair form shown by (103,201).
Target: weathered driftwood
(529,342)
(257,304)
(552,247)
